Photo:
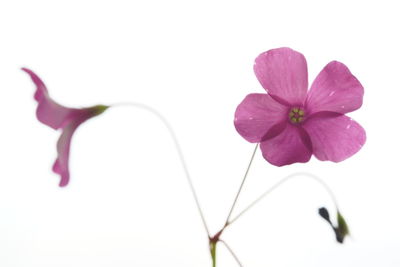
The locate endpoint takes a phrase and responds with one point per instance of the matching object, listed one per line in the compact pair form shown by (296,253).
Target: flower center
(296,115)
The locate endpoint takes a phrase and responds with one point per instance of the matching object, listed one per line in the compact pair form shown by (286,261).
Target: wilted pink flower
(291,123)
(58,117)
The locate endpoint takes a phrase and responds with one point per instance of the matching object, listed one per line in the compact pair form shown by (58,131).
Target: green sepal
(342,229)
(98,109)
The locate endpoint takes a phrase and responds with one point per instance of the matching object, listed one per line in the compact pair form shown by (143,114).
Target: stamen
(296,115)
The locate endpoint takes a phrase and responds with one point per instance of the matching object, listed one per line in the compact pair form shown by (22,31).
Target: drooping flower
(290,122)
(59,117)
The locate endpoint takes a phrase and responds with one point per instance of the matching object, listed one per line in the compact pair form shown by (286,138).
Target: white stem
(178,148)
(284,180)
(233,254)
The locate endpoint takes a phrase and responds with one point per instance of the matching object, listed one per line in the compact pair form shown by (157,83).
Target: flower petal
(63,147)
(283,73)
(291,146)
(256,116)
(64,142)
(49,112)
(335,89)
(334,137)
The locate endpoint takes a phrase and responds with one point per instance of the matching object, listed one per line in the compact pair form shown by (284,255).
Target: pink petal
(283,73)
(334,137)
(41,90)
(61,165)
(49,112)
(258,117)
(335,89)
(57,116)
(63,147)
(291,146)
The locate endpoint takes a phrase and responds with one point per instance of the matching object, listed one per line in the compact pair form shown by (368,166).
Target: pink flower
(58,117)
(291,123)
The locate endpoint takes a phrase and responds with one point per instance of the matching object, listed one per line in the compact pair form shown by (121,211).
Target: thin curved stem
(284,180)
(241,185)
(179,150)
(231,251)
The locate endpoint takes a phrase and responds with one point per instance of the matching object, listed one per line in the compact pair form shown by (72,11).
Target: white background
(128,203)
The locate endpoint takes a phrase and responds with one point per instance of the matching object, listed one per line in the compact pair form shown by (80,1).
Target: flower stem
(278,184)
(213,249)
(215,239)
(231,251)
(178,149)
(241,186)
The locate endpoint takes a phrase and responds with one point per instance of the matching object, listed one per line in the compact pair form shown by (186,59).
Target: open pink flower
(58,117)
(291,123)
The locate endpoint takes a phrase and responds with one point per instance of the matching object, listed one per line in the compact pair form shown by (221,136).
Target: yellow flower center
(296,115)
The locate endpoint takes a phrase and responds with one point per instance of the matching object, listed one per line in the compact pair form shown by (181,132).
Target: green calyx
(98,109)
(342,228)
